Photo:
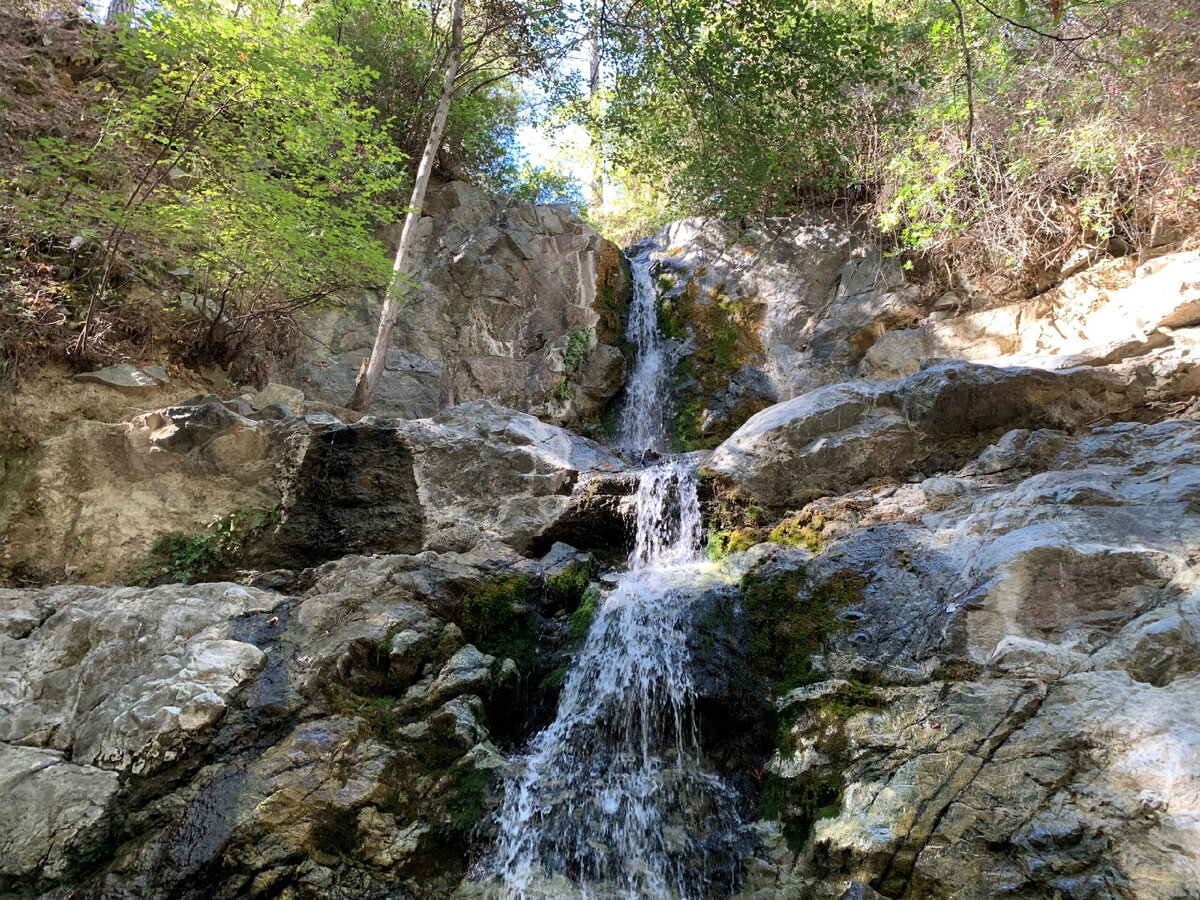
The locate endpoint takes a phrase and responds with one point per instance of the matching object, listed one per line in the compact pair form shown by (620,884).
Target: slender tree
(507,37)
(371,371)
(119,11)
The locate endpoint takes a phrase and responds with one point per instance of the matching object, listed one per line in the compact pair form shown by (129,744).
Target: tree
(119,11)
(371,371)
(232,158)
(508,38)
(738,107)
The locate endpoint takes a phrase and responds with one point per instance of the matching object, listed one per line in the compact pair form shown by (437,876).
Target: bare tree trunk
(371,372)
(118,10)
(593,51)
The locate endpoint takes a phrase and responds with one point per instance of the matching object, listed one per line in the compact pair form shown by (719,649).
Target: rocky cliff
(949,645)
(510,302)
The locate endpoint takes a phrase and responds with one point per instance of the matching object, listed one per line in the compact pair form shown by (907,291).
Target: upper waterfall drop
(644,418)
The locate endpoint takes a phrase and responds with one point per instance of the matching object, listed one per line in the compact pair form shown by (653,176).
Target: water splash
(643,422)
(613,796)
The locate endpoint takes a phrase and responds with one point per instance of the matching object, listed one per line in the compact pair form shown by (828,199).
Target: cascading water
(643,422)
(613,796)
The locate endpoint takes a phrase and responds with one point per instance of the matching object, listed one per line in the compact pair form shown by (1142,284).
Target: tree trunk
(119,10)
(371,373)
(593,51)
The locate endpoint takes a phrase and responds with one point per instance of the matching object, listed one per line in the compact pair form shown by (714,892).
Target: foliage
(764,90)
(232,167)
(393,40)
(1071,141)
(187,558)
(574,356)
(496,619)
(565,589)
(465,806)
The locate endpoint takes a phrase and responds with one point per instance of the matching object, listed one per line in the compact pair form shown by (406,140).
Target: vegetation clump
(187,558)
(564,590)
(465,806)
(581,618)
(497,618)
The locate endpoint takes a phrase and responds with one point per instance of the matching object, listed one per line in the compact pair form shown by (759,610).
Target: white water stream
(643,422)
(612,799)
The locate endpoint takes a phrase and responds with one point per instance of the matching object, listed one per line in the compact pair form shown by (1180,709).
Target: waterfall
(613,795)
(643,422)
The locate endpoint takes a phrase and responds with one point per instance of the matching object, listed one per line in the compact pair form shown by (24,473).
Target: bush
(233,175)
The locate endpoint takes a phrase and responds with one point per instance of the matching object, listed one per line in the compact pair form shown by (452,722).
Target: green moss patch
(465,806)
(787,622)
(581,619)
(725,334)
(497,618)
(565,590)
(797,803)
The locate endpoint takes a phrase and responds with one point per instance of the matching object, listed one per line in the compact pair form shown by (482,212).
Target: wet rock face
(216,740)
(353,490)
(766,312)
(514,303)
(1009,705)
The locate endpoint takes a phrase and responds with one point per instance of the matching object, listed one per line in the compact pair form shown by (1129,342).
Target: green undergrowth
(465,806)
(798,803)
(794,531)
(221,547)
(574,356)
(565,590)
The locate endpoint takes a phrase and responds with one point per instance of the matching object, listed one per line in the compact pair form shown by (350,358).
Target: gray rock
(501,287)
(844,434)
(289,397)
(123,678)
(124,377)
(56,815)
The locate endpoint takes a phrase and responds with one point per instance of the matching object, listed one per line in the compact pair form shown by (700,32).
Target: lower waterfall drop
(613,796)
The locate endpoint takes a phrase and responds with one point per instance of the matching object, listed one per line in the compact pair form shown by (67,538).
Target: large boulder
(1109,312)
(844,434)
(511,302)
(1008,706)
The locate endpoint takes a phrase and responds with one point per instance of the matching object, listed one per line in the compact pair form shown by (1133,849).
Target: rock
(125,377)
(308,489)
(158,373)
(1107,313)
(56,816)
(939,492)
(288,397)
(502,287)
(121,678)
(769,311)
(1030,653)
(842,435)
